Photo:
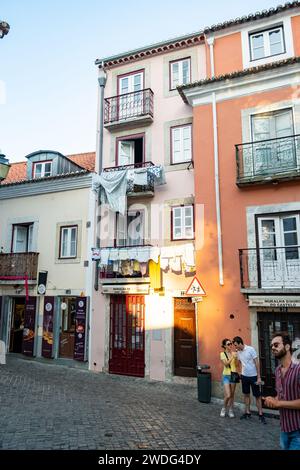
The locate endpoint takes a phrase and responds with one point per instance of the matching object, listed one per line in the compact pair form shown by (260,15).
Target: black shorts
(248,382)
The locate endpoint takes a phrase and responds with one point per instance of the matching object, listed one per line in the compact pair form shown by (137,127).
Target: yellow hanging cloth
(154,274)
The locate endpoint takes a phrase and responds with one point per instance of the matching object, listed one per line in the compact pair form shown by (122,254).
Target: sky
(48,80)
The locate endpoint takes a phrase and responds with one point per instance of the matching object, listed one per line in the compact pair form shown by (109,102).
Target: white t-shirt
(247,357)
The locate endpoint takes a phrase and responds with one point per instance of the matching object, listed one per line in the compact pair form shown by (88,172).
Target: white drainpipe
(210,42)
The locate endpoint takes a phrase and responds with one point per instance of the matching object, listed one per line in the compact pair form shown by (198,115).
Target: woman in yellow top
(229,361)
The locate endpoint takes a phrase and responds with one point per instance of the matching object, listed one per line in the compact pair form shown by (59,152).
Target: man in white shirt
(250,376)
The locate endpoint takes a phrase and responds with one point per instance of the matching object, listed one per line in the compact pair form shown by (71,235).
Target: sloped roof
(18,171)
(189,39)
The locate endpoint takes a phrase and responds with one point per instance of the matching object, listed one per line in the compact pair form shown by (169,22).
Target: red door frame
(127,335)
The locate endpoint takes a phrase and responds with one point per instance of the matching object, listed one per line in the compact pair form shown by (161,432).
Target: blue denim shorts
(290,440)
(226,379)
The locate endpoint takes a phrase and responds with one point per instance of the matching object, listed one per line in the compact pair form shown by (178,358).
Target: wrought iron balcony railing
(270,267)
(18,265)
(268,160)
(131,187)
(128,106)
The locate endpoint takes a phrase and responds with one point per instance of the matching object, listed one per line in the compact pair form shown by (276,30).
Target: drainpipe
(210,42)
(99,156)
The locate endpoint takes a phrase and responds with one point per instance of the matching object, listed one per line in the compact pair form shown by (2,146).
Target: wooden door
(127,341)
(185,353)
(67,327)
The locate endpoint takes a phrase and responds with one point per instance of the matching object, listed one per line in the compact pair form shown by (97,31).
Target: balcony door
(275,150)
(279,251)
(131,104)
(22,238)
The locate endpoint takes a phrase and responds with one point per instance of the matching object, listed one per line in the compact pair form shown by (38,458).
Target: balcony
(270,269)
(268,161)
(14,265)
(129,109)
(132,188)
(120,266)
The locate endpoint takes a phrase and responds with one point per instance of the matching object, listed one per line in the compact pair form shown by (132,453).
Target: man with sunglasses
(287,377)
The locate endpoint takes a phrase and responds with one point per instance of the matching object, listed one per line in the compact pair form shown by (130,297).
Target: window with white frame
(180,72)
(130,228)
(181,138)
(22,238)
(68,242)
(183,222)
(267,43)
(42,169)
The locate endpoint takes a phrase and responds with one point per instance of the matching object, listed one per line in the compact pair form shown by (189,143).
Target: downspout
(210,42)
(99,157)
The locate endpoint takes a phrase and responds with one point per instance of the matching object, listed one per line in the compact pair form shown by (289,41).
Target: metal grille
(128,106)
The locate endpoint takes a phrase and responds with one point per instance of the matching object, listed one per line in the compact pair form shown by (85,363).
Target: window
(275,150)
(279,250)
(182,222)
(180,72)
(181,138)
(130,228)
(68,242)
(22,238)
(130,150)
(131,104)
(42,169)
(267,43)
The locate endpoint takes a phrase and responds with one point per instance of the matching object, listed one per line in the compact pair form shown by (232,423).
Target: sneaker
(246,416)
(231,413)
(223,413)
(262,419)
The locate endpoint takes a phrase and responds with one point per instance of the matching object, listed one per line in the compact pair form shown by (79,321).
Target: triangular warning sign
(195,288)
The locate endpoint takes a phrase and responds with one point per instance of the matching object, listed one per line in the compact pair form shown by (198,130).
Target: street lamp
(4,29)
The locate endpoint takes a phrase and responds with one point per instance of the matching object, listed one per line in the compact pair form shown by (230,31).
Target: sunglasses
(275,345)
(228,344)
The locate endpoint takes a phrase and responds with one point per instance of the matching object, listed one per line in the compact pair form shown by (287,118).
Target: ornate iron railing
(128,106)
(131,187)
(268,160)
(19,264)
(270,267)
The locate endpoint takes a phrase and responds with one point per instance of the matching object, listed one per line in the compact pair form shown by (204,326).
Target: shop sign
(80,328)
(125,289)
(274,301)
(47,341)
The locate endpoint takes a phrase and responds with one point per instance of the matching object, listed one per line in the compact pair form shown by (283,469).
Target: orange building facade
(246,146)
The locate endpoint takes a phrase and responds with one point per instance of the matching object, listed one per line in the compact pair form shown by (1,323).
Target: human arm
(256,362)
(273,402)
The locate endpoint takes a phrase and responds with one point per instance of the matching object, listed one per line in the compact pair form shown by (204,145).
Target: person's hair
(224,342)
(238,340)
(285,337)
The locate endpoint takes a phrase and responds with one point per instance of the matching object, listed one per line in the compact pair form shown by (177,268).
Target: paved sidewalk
(56,407)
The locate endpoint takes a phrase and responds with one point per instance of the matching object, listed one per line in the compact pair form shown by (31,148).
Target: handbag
(234,376)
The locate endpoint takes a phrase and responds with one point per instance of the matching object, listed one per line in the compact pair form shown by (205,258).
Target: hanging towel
(143,268)
(140,177)
(114,184)
(155,275)
(158,173)
(136,266)
(114,254)
(123,254)
(175,264)
(104,256)
(154,253)
(189,255)
(143,254)
(132,253)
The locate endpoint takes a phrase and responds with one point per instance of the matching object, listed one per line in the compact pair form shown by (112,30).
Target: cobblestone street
(58,407)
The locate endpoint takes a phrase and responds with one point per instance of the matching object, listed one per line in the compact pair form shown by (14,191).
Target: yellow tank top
(232,367)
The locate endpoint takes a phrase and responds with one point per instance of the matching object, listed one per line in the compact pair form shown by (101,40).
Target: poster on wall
(29,326)
(80,328)
(48,319)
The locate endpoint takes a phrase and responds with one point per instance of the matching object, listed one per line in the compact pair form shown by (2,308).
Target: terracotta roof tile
(17,172)
(86,160)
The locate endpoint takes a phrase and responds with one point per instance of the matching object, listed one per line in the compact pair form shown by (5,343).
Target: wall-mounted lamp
(4,167)
(4,29)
